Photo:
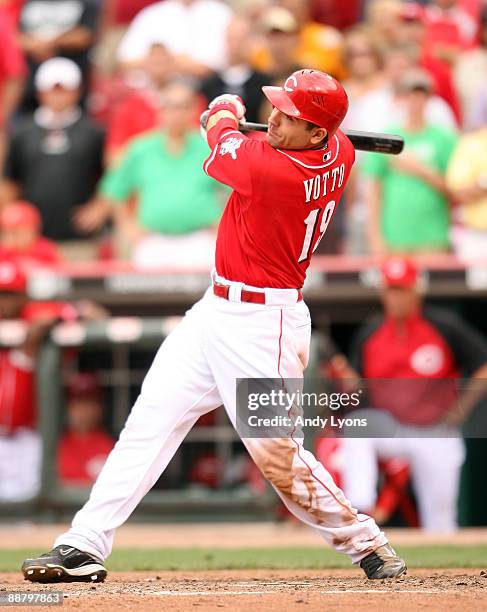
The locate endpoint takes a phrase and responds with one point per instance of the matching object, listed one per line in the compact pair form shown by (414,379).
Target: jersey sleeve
(234,158)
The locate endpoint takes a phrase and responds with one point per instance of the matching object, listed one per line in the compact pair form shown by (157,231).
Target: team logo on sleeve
(230,145)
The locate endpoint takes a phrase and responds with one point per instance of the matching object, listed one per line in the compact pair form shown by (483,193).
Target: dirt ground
(458,590)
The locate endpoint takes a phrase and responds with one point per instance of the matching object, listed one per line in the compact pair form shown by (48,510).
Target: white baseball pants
(193,373)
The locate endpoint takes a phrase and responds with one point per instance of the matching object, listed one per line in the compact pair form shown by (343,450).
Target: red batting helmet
(313,96)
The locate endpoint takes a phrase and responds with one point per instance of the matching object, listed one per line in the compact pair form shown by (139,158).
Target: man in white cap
(54,160)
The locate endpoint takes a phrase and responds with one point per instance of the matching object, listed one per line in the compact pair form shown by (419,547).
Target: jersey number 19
(310,223)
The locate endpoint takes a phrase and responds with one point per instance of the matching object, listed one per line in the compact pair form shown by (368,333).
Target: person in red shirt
(20,236)
(12,72)
(412,358)
(20,445)
(141,110)
(84,446)
(252,323)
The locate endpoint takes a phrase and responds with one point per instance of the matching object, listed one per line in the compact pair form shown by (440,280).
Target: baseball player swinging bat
(251,323)
(363,141)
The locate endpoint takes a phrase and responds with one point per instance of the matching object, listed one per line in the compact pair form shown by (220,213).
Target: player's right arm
(233,156)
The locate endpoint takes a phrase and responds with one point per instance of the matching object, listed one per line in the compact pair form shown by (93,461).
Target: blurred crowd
(100,101)
(101,160)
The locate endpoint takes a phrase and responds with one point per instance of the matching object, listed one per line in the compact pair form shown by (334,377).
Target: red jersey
(282,203)
(17,395)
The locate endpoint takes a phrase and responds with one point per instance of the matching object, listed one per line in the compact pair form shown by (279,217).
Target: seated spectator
(140,111)
(411,355)
(472,89)
(20,236)
(407,195)
(192,30)
(12,73)
(84,446)
(319,46)
(177,204)
(466,178)
(51,28)
(54,160)
(238,77)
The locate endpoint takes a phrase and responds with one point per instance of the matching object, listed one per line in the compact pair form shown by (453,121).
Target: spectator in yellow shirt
(466,178)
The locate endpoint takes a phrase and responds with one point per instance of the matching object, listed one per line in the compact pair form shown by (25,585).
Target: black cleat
(383,563)
(64,564)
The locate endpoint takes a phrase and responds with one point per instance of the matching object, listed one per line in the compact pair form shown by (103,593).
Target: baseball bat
(363,141)
(391,144)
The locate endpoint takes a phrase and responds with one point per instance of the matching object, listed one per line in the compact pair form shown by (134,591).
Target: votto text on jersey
(324,183)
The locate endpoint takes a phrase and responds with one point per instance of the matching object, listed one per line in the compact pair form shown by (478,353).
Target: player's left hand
(233,100)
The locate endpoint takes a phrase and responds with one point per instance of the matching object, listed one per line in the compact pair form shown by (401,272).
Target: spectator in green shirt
(407,197)
(165,207)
